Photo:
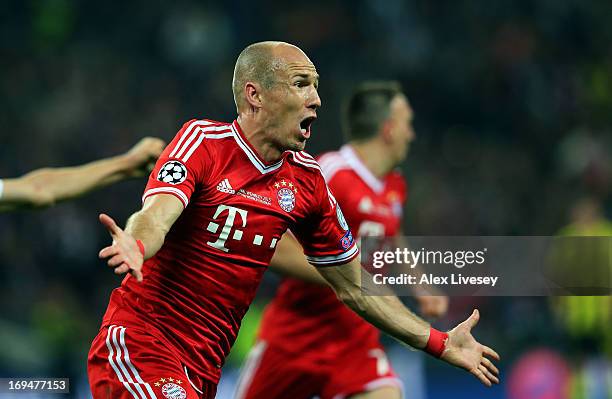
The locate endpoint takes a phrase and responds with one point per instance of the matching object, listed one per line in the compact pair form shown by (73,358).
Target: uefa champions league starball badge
(172,172)
(285,194)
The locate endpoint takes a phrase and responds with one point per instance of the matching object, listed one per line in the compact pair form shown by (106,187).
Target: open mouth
(305,125)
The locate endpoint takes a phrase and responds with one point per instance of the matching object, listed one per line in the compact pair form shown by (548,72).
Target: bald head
(260,63)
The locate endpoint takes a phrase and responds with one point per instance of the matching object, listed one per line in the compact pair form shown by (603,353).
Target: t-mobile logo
(227,228)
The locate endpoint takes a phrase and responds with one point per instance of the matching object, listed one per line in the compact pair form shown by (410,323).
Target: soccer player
(45,187)
(217,202)
(310,343)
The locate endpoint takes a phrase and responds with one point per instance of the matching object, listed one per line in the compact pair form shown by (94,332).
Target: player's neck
(259,140)
(374,157)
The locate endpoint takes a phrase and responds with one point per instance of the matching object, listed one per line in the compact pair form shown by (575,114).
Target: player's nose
(314,101)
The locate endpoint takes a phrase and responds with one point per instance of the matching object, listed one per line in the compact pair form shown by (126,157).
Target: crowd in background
(512,103)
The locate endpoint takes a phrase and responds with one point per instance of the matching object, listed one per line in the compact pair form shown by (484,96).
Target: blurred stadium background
(513,104)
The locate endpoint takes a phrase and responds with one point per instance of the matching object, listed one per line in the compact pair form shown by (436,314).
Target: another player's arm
(432,301)
(149,226)
(289,261)
(391,316)
(44,187)
(385,312)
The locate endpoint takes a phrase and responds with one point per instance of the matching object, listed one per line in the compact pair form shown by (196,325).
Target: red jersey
(199,285)
(309,319)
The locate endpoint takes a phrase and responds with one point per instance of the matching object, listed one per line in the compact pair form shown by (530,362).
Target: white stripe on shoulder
(214,132)
(303,161)
(167,190)
(307,156)
(299,158)
(188,133)
(193,147)
(332,199)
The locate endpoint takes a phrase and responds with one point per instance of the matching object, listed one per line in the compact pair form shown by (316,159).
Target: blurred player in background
(45,187)
(216,205)
(310,343)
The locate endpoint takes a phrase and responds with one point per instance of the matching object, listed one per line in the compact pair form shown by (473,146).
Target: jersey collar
(251,153)
(349,155)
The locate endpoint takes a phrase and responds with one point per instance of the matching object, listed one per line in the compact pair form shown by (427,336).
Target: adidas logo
(225,187)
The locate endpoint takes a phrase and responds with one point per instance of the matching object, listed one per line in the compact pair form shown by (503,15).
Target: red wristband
(436,343)
(141,247)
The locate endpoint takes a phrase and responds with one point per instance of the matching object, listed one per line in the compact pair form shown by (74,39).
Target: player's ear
(252,93)
(386,131)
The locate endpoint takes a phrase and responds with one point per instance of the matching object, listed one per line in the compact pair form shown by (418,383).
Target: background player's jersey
(199,285)
(309,319)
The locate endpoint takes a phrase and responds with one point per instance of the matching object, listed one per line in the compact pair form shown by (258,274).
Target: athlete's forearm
(142,226)
(44,187)
(65,183)
(18,193)
(385,312)
(151,224)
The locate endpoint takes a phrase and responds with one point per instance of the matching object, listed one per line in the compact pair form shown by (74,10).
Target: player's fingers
(116,260)
(472,320)
(489,365)
(488,374)
(122,269)
(480,375)
(137,274)
(107,252)
(110,224)
(490,352)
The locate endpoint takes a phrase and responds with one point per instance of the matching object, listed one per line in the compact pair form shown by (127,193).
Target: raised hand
(463,351)
(143,155)
(123,254)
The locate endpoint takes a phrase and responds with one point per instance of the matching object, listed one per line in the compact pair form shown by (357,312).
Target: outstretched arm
(149,226)
(289,261)
(387,313)
(44,187)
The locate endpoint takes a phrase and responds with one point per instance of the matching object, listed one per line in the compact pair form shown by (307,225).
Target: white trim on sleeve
(167,190)
(344,257)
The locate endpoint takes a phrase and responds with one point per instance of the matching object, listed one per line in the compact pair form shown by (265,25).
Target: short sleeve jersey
(199,285)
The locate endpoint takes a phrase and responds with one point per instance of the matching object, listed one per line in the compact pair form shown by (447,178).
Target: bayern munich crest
(286,194)
(171,388)
(173,391)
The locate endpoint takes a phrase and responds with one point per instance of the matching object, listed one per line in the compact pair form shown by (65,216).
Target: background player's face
(291,105)
(401,132)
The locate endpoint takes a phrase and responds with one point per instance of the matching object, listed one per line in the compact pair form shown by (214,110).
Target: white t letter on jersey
(227,228)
